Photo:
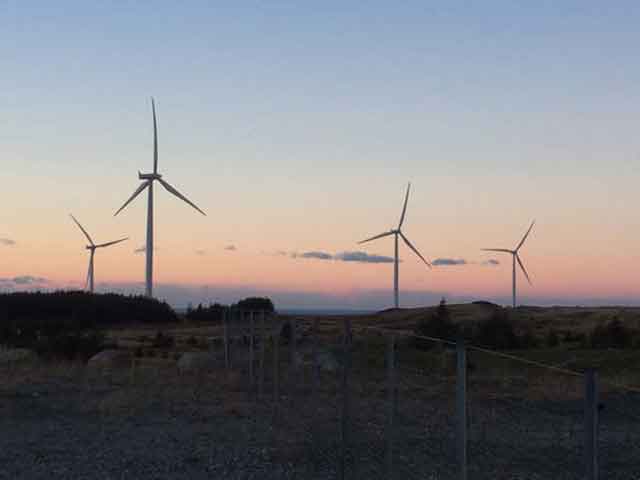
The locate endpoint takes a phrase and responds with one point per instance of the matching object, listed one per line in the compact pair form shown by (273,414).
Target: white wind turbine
(92,248)
(515,258)
(147,182)
(398,233)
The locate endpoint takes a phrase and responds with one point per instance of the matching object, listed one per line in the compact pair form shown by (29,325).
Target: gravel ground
(68,423)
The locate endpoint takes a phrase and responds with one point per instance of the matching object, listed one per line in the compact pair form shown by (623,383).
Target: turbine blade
(404,208)
(172,190)
(112,243)
(385,234)
(523,269)
(140,188)
(409,244)
(525,236)
(155,137)
(83,230)
(503,250)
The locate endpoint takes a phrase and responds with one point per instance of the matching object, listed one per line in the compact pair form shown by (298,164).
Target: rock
(17,355)
(196,362)
(111,359)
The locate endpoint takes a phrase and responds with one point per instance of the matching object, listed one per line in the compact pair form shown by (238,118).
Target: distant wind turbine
(92,248)
(148,179)
(515,258)
(396,233)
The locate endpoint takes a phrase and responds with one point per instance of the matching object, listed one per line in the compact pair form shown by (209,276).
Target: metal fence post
(391,408)
(591,424)
(276,366)
(251,350)
(292,350)
(315,374)
(262,351)
(225,323)
(461,408)
(344,424)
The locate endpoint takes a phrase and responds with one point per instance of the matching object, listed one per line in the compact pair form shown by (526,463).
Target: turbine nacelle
(149,176)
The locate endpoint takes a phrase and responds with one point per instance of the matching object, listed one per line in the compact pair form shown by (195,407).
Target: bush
(65,324)
(552,339)
(497,331)
(256,304)
(612,335)
(162,340)
(72,346)
(437,325)
(528,340)
(285,333)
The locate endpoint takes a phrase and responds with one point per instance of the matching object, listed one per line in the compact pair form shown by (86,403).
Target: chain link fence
(319,399)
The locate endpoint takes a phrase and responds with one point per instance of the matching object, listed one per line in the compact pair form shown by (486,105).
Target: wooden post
(461,408)
(344,425)
(225,321)
(591,424)
(262,353)
(391,408)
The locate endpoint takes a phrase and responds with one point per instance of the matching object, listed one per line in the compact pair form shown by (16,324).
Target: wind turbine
(515,258)
(92,248)
(147,182)
(398,233)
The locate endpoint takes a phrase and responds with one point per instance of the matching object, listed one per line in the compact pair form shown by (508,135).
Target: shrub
(612,335)
(437,325)
(528,340)
(257,304)
(497,331)
(285,333)
(162,340)
(552,339)
(71,346)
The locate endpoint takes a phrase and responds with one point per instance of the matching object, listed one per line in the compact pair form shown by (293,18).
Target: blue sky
(303,122)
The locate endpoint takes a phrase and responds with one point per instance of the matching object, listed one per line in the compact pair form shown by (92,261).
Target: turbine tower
(398,233)
(147,182)
(92,248)
(515,258)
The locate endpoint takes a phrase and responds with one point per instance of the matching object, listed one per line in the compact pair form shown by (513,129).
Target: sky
(296,127)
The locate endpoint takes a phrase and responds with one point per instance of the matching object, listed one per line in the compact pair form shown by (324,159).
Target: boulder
(196,362)
(111,359)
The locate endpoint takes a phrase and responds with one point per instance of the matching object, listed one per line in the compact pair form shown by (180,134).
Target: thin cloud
(7,241)
(143,249)
(28,280)
(23,280)
(492,262)
(362,257)
(445,262)
(314,254)
(231,248)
